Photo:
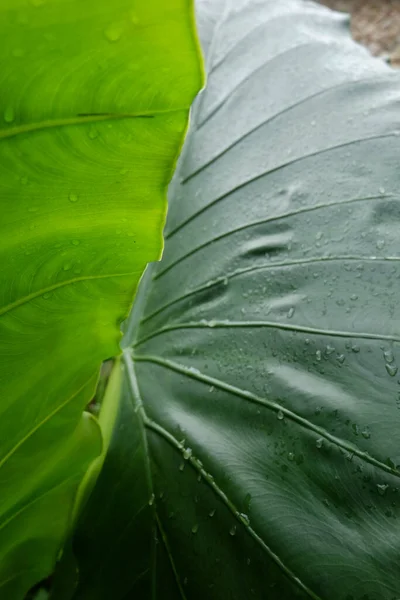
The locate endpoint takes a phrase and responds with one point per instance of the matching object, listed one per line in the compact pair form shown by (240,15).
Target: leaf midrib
(51,288)
(150,424)
(83,119)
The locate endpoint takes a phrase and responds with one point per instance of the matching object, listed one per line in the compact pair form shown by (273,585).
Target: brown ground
(375,23)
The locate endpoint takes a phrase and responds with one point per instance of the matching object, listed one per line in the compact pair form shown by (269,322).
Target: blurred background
(375,23)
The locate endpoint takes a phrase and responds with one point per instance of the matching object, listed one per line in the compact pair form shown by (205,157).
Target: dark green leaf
(265,345)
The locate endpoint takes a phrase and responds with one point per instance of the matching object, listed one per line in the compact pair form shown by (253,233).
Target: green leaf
(94,104)
(265,345)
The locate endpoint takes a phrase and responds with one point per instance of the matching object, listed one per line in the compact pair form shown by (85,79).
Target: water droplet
(354,297)
(366,433)
(382,190)
(391,369)
(123,171)
(134,17)
(341,358)
(380,244)
(382,487)
(290,313)
(73,197)
(75,242)
(151,500)
(114,32)
(280,415)
(291,456)
(212,512)
(232,530)
(67,266)
(93,133)
(181,466)
(244,518)
(389,356)
(319,442)
(355,348)
(9,114)
(247,500)
(318,355)
(187,453)
(195,528)
(329,349)
(46,296)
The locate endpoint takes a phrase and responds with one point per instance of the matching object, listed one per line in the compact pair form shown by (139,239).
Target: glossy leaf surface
(94,103)
(265,345)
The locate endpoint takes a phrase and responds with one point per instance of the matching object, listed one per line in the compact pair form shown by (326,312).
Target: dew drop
(181,466)
(9,114)
(355,348)
(382,190)
(329,349)
(195,528)
(366,433)
(354,297)
(93,133)
(73,197)
(318,355)
(113,32)
(389,356)
(380,244)
(134,17)
(291,456)
(211,513)
(290,313)
(280,415)
(391,369)
(67,266)
(232,530)
(382,487)
(341,358)
(151,500)
(187,453)
(75,242)
(319,442)
(244,518)
(46,296)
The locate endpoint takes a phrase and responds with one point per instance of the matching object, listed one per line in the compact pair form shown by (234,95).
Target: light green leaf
(94,103)
(265,345)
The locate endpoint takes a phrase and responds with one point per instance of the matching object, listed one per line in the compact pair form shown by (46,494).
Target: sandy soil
(375,23)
